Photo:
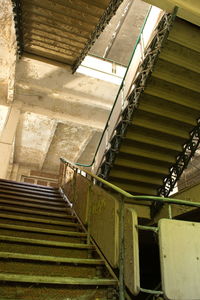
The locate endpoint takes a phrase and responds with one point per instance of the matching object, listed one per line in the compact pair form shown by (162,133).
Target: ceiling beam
(48,144)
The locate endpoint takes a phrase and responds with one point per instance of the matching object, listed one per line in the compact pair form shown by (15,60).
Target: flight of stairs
(167,112)
(44,253)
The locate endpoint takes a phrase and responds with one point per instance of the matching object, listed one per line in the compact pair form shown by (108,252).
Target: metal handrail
(130,196)
(121,214)
(118,93)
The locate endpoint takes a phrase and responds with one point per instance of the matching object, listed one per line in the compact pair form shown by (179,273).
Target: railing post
(60,174)
(121,247)
(89,211)
(74,186)
(64,174)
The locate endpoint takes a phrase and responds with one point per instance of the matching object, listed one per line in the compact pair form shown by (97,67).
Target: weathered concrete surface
(67,142)
(7,51)
(60,114)
(55,92)
(118,38)
(32,139)
(87,155)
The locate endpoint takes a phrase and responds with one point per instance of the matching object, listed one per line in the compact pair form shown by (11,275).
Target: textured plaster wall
(7,51)
(59,94)
(60,114)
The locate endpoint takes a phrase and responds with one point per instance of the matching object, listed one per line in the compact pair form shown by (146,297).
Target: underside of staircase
(44,252)
(143,155)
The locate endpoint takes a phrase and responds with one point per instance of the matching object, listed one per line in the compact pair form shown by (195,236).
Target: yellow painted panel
(104,223)
(188,10)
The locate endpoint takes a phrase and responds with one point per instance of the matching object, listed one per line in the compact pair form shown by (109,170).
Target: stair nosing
(36,212)
(29,195)
(18,198)
(32,191)
(42,230)
(39,220)
(34,205)
(46,258)
(37,186)
(55,279)
(45,242)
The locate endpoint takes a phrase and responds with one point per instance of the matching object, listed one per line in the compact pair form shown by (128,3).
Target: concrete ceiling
(62,31)
(61,114)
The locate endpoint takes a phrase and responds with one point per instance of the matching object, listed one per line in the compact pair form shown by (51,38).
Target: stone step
(55,280)
(40,207)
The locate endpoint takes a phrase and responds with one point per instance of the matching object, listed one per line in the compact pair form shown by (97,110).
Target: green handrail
(121,87)
(130,196)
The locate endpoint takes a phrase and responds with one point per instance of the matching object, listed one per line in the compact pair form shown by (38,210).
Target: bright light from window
(102,69)
(3,116)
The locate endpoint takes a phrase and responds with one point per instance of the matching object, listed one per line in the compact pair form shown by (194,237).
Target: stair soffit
(61,31)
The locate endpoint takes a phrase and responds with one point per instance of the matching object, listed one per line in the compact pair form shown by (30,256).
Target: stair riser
(42,236)
(45,250)
(39,292)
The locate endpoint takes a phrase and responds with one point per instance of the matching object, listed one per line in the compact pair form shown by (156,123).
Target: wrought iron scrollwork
(182,161)
(17,15)
(104,20)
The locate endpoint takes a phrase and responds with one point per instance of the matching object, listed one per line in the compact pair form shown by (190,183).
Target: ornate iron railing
(18,26)
(144,71)
(104,20)
(182,161)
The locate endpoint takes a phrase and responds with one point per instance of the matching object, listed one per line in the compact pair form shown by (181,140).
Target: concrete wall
(7,51)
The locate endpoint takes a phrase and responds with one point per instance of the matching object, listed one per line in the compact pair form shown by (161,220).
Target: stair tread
(135,187)
(45,242)
(185,34)
(5,185)
(163,107)
(34,205)
(36,212)
(180,55)
(42,230)
(46,258)
(153,167)
(154,138)
(165,70)
(173,93)
(38,220)
(55,279)
(53,203)
(161,123)
(27,185)
(29,195)
(140,177)
(146,152)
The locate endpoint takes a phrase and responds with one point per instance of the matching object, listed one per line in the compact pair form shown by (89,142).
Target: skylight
(102,69)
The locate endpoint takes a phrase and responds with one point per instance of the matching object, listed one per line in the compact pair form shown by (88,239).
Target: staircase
(145,145)
(44,252)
